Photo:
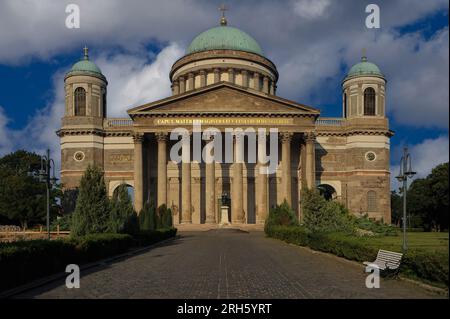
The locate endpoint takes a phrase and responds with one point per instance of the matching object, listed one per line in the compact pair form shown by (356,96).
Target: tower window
(369,101)
(371,201)
(80,102)
(104,103)
(345,104)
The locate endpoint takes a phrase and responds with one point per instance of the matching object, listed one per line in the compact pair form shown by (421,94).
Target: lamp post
(47,166)
(405,173)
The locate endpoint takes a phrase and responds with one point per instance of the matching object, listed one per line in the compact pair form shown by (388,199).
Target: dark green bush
(64,223)
(281,215)
(164,217)
(147,217)
(145,238)
(92,209)
(23,261)
(325,216)
(97,246)
(431,267)
(376,227)
(123,218)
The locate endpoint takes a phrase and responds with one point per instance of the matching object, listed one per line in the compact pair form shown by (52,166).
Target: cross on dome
(223,20)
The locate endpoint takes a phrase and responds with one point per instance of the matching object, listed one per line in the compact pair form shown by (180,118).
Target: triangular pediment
(222,98)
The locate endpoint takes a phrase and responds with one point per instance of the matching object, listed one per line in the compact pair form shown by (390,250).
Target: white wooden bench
(387,261)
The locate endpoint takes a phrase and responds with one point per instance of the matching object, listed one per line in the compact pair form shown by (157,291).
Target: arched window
(80,102)
(327,191)
(104,104)
(371,201)
(369,101)
(345,104)
(130,191)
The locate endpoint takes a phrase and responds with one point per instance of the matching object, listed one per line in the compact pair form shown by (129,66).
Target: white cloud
(5,134)
(132,80)
(309,51)
(424,157)
(311,9)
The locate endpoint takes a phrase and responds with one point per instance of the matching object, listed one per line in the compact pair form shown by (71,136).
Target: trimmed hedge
(147,238)
(430,267)
(24,261)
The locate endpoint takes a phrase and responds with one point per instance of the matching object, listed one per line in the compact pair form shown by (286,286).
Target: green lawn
(430,242)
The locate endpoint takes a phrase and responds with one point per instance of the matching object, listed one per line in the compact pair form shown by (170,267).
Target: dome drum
(208,67)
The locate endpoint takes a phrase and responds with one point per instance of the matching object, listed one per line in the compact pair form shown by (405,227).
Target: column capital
(216,70)
(190,75)
(286,137)
(309,137)
(202,72)
(138,137)
(161,136)
(239,137)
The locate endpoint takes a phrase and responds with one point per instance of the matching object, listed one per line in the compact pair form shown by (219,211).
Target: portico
(192,188)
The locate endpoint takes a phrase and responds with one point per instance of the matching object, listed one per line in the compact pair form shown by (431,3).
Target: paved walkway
(228,264)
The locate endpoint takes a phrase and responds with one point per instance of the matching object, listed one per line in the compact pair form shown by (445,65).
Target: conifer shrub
(123,218)
(164,217)
(92,209)
(281,215)
(147,217)
(320,215)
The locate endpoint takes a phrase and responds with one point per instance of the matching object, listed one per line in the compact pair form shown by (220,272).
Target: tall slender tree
(92,211)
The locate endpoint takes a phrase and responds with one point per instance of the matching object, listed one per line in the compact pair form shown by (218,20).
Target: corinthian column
(231,75)
(261,183)
(138,176)
(210,185)
(286,166)
(186,217)
(216,75)
(161,137)
(182,84)
(266,85)
(190,82)
(202,78)
(310,139)
(237,201)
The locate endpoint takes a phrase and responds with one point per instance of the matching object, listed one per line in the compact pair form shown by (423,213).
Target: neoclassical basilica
(225,81)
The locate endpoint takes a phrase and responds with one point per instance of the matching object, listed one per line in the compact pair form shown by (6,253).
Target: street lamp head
(53,180)
(410,174)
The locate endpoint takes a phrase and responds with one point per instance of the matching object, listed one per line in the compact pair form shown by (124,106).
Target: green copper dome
(224,37)
(364,68)
(85,66)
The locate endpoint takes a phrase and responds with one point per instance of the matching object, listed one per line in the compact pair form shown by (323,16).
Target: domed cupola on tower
(364,91)
(85,87)
(224,53)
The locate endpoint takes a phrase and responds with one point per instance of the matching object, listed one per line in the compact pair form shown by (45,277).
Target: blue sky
(313,44)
